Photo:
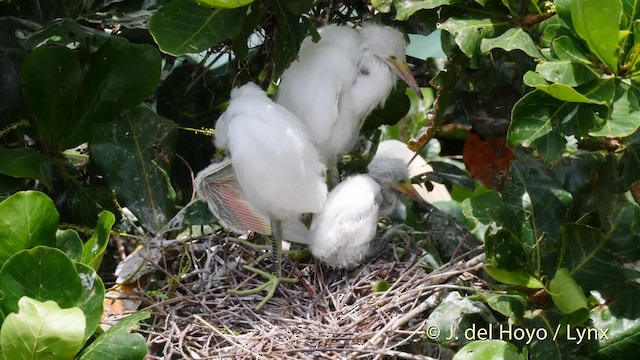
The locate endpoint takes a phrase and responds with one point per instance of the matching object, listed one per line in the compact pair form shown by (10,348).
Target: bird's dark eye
(364,71)
(392,57)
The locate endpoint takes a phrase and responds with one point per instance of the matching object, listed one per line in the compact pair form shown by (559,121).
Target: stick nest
(328,313)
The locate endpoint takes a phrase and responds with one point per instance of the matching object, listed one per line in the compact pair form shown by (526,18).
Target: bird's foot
(270,286)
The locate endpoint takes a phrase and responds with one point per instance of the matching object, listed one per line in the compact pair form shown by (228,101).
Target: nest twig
(328,314)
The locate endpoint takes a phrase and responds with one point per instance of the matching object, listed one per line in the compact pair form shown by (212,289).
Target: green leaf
(510,304)
(566,293)
(576,171)
(488,350)
(566,48)
(518,277)
(591,264)
(42,330)
(94,248)
(64,32)
(532,117)
(118,342)
(600,91)
(240,44)
(27,219)
(404,9)
(630,166)
(631,11)
(624,119)
(598,22)
(447,173)
(183,27)
(538,199)
(121,75)
(69,241)
(51,78)
(289,35)
(133,153)
(42,273)
(225,4)
(92,297)
(25,163)
(469,32)
(567,72)
(563,9)
(512,39)
(617,313)
(550,146)
(457,314)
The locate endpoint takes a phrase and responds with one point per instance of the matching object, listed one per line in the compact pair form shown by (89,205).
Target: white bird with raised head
(342,235)
(335,83)
(275,163)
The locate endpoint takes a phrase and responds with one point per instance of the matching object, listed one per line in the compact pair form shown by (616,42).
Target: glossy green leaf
(598,22)
(27,219)
(566,48)
(599,91)
(512,39)
(404,9)
(42,273)
(618,313)
(563,9)
(69,241)
(589,260)
(631,11)
(134,153)
(489,350)
(94,248)
(447,173)
(92,297)
(225,4)
(567,72)
(469,32)
(63,32)
(576,171)
(518,277)
(625,116)
(183,27)
(51,78)
(630,166)
(566,293)
(291,32)
(118,342)
(42,330)
(538,198)
(120,76)
(25,163)
(456,313)
(550,146)
(251,21)
(532,117)
(510,304)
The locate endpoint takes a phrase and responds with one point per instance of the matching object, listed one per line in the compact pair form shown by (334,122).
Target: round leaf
(42,330)
(27,219)
(42,273)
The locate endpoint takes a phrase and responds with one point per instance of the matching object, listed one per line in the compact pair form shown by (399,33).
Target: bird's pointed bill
(402,70)
(407,189)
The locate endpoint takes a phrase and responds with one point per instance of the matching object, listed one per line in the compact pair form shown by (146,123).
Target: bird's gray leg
(333,175)
(273,280)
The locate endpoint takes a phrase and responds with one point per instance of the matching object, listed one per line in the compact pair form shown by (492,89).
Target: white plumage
(335,83)
(342,235)
(275,162)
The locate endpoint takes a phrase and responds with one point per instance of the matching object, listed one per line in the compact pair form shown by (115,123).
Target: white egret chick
(342,235)
(398,149)
(275,162)
(335,83)
(218,187)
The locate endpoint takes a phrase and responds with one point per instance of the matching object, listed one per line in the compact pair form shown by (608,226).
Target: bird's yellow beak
(407,188)
(402,70)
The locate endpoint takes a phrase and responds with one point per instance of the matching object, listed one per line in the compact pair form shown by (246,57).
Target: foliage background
(97,97)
